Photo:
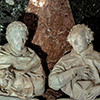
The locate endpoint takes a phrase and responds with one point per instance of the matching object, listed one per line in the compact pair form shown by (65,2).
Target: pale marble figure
(77,73)
(21,72)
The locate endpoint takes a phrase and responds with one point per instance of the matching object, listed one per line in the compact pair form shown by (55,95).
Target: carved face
(79,41)
(17,39)
(38,3)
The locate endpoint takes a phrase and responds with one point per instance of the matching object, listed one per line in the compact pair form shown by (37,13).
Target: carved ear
(69,38)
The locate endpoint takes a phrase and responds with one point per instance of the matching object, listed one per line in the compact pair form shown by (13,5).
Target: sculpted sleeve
(37,76)
(61,74)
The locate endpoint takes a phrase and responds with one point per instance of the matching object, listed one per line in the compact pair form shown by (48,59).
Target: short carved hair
(82,27)
(16,25)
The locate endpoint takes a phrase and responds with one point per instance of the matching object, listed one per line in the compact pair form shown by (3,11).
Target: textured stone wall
(88,12)
(55,20)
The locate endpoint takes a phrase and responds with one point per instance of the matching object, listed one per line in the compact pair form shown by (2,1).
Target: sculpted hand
(3,82)
(6,80)
(93,92)
(9,77)
(84,71)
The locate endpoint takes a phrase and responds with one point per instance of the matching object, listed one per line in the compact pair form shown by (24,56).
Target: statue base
(14,98)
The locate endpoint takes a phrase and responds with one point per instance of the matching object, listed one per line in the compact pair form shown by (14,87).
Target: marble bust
(21,72)
(77,73)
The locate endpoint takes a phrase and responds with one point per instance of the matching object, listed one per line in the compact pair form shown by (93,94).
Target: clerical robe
(75,87)
(20,75)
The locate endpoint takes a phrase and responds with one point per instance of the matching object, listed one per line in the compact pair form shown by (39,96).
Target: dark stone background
(84,11)
(88,12)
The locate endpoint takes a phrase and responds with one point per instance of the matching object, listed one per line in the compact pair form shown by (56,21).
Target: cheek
(77,46)
(16,42)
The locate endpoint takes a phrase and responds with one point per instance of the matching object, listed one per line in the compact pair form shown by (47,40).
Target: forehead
(17,30)
(16,27)
(17,34)
(77,32)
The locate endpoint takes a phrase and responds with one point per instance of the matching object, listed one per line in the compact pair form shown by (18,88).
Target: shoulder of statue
(30,50)
(66,57)
(96,54)
(33,53)
(64,60)
(0,47)
(2,50)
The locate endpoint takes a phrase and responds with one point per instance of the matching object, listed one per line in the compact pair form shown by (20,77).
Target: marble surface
(55,20)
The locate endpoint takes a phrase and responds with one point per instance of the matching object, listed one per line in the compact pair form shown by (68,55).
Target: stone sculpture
(77,73)
(21,72)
